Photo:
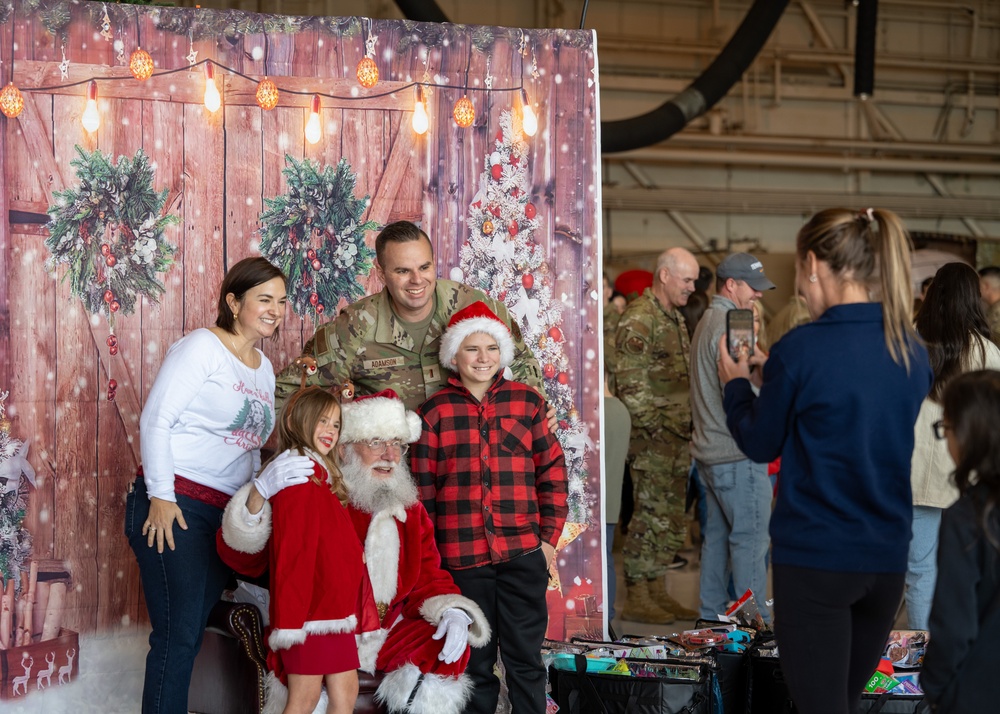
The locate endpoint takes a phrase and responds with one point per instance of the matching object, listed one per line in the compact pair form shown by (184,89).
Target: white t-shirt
(206,417)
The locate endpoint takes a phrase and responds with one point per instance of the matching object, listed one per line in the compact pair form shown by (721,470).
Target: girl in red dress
(319,583)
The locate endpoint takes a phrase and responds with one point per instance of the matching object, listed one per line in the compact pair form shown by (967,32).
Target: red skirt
(321,654)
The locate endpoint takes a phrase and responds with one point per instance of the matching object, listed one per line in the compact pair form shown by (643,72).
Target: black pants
(512,596)
(832,628)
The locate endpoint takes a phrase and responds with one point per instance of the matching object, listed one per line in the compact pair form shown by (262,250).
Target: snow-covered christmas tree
(502,259)
(15,475)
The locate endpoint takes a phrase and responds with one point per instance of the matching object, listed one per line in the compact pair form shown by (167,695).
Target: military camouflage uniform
(369,346)
(651,370)
(611,319)
(993,316)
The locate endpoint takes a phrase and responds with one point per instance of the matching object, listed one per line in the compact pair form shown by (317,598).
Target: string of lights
(268,92)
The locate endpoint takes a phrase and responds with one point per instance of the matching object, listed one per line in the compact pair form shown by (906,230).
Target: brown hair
(298,421)
(971,404)
(398,232)
(853,244)
(244,275)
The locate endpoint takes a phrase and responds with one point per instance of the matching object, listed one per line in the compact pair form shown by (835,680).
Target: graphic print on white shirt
(252,425)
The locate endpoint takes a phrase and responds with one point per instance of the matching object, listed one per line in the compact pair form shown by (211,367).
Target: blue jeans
(181,587)
(921,567)
(738,497)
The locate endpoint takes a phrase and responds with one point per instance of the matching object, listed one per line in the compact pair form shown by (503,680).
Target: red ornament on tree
(110,261)
(512,228)
(513,160)
(529,211)
(527,280)
(316,264)
(556,334)
(105,249)
(113,350)
(314,299)
(499,134)
(108,297)
(496,172)
(549,371)
(112,340)
(319,309)
(115,306)
(112,384)
(311,254)
(495,210)
(515,192)
(563,378)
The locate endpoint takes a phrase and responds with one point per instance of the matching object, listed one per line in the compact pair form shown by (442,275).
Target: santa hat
(474,318)
(378,416)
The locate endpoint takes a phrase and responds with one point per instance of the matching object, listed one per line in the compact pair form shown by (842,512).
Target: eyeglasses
(940,427)
(380,445)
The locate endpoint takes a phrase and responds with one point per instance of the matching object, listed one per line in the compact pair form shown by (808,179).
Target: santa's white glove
(287,469)
(454,628)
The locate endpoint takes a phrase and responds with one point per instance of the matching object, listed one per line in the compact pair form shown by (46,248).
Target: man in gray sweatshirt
(738,490)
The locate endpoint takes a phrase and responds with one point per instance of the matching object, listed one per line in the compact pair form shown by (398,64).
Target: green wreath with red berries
(108,231)
(315,235)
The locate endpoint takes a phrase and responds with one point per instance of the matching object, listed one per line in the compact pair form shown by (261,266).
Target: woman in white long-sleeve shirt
(210,410)
(953,323)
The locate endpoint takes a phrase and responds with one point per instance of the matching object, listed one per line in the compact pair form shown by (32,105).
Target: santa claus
(427,626)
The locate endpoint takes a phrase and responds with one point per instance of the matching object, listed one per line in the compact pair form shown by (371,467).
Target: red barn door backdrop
(116,236)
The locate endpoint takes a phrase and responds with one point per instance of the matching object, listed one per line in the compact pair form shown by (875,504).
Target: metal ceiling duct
(701,95)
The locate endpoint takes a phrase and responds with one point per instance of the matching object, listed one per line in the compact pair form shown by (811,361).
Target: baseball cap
(745,267)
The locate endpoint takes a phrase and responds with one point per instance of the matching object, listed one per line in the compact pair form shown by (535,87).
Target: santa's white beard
(372,494)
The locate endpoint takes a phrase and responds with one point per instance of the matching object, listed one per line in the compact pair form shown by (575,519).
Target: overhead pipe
(700,96)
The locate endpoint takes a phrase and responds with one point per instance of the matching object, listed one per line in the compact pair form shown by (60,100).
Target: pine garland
(109,233)
(315,235)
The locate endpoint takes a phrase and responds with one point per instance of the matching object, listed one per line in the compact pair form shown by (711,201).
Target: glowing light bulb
(314,131)
(91,117)
(529,122)
(420,120)
(213,100)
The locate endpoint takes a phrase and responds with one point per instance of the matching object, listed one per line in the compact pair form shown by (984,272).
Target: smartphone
(739,333)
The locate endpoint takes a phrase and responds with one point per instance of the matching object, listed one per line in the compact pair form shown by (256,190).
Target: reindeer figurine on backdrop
(46,673)
(66,671)
(21,682)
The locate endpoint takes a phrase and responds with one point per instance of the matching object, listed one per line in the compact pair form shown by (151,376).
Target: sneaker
(678,562)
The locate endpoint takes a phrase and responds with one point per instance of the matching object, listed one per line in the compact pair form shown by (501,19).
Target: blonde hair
(854,244)
(297,425)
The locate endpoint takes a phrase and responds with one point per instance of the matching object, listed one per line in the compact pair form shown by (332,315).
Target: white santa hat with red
(378,416)
(471,319)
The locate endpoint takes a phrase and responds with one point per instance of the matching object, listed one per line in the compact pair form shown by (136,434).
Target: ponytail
(893,247)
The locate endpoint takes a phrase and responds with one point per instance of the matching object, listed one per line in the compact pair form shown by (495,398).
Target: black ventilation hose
(864,48)
(702,94)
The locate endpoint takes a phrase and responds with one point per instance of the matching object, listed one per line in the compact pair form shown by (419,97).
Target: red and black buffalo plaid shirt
(491,474)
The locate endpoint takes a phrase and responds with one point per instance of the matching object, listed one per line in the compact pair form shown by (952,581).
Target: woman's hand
(728,369)
(159,525)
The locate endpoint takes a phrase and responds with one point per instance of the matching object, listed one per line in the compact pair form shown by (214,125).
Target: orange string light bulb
(464,112)
(267,94)
(141,64)
(11,101)
(367,72)
(91,118)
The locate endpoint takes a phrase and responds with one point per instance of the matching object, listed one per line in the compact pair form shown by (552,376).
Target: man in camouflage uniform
(392,338)
(651,372)
(989,288)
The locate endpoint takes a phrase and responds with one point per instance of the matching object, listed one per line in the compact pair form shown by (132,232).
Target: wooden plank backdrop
(218,169)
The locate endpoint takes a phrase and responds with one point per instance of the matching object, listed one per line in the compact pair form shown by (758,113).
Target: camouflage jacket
(993,316)
(611,318)
(369,346)
(651,371)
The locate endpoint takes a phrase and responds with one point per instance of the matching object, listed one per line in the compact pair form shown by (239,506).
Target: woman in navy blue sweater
(838,402)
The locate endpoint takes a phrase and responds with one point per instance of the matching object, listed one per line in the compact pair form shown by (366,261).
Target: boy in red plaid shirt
(493,479)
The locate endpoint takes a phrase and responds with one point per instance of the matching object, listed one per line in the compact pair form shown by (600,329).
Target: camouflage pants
(658,526)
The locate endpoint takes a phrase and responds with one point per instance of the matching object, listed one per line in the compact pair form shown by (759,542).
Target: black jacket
(960,673)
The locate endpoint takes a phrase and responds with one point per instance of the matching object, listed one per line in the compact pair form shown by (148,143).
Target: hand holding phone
(739,333)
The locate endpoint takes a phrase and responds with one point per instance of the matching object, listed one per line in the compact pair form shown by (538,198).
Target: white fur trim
(436,694)
(454,336)
(282,639)
(369,645)
(382,555)
(276,697)
(479,631)
(378,418)
(236,532)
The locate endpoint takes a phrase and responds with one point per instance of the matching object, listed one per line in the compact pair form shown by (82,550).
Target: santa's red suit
(407,581)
